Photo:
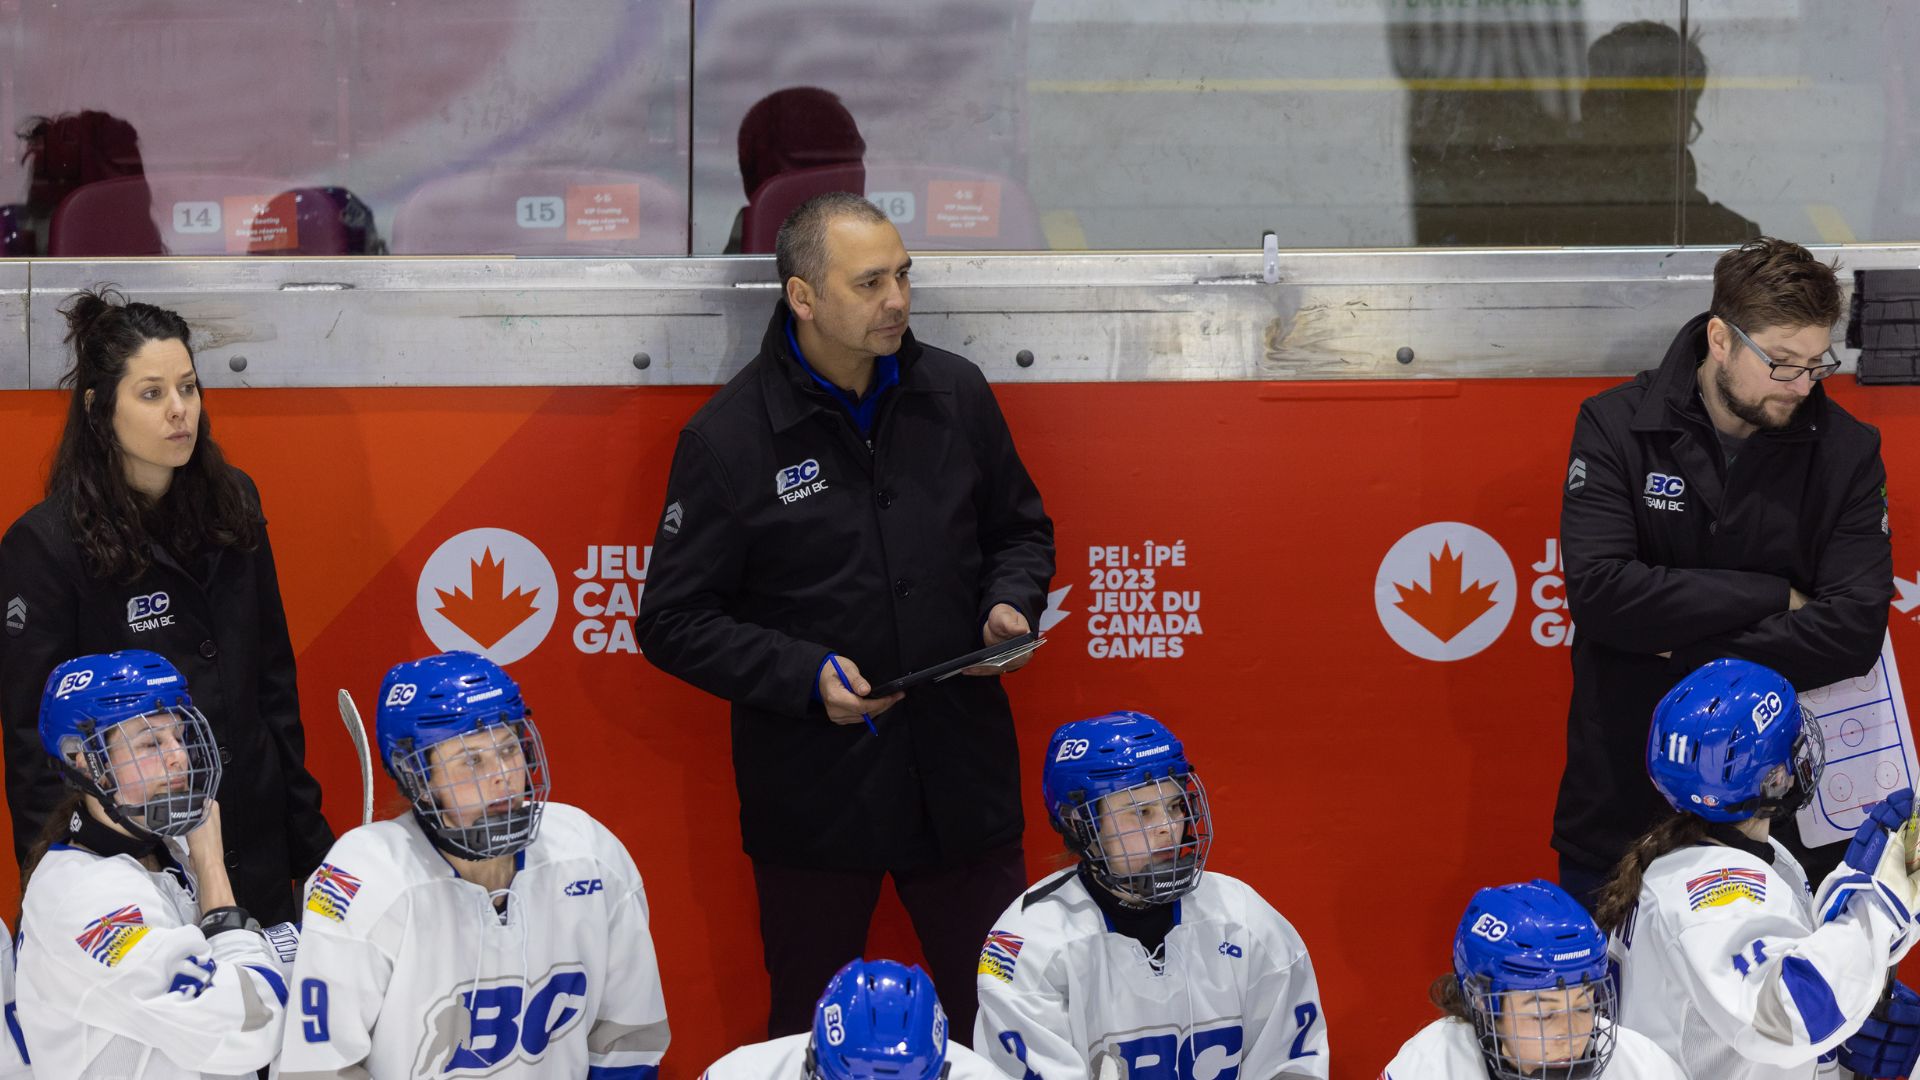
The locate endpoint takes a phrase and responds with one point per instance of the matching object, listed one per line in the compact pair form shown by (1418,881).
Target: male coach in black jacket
(853,498)
(1719,505)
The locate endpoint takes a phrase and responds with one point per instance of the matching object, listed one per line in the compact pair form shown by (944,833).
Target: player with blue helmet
(1528,999)
(134,959)
(877,1020)
(456,737)
(511,929)
(1727,959)
(1139,934)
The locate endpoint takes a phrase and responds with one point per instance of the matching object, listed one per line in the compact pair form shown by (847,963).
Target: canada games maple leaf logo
(487,590)
(1444,606)
(1444,591)
(487,612)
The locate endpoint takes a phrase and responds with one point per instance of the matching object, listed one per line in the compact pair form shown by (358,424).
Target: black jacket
(891,557)
(226,634)
(1699,564)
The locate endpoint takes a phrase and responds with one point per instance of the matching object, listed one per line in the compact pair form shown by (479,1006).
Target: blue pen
(835,661)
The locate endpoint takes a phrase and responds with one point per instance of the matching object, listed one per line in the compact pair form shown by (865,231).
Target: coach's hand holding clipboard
(1002,654)
(1004,623)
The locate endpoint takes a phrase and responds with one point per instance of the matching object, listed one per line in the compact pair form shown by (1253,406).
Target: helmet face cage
(1563,1032)
(154,772)
(1790,786)
(1148,843)
(479,790)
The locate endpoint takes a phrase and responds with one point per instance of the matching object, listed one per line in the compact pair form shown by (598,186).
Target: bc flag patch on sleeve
(332,891)
(999,954)
(1726,885)
(109,937)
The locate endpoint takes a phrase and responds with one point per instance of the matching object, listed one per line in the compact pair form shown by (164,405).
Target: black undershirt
(1148,925)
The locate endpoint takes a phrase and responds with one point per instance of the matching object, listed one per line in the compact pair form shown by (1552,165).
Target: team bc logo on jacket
(148,612)
(796,482)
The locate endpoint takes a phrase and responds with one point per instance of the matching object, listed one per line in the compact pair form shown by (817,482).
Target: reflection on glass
(64,154)
(1491,92)
(802,127)
(493,126)
(1638,114)
(641,127)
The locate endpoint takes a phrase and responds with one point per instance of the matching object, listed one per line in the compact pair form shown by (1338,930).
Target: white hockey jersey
(104,986)
(13,1044)
(1722,965)
(785,1058)
(1065,997)
(407,970)
(1448,1049)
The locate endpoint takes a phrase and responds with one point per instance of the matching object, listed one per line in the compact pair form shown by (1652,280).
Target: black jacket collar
(791,393)
(1673,399)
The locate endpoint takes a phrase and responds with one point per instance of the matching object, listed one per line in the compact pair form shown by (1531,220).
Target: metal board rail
(1430,314)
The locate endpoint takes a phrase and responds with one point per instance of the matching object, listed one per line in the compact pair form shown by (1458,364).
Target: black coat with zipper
(890,556)
(1667,549)
(223,626)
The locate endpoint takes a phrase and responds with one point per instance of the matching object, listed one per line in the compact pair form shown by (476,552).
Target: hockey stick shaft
(350,715)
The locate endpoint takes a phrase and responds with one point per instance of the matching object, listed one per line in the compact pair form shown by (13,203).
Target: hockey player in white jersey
(134,961)
(1139,958)
(13,1045)
(1528,998)
(1725,958)
(877,1020)
(487,933)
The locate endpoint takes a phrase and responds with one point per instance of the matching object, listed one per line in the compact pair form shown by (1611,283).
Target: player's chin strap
(441,843)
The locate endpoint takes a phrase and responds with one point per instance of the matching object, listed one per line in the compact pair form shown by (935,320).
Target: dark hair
(800,251)
(113,524)
(1446,996)
(1622,890)
(56,825)
(1767,282)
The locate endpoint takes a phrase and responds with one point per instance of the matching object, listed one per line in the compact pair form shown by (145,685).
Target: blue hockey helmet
(1532,968)
(1732,740)
(1147,843)
(122,728)
(457,737)
(878,1020)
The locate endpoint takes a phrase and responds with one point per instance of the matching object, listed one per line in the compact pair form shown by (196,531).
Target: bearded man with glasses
(1720,505)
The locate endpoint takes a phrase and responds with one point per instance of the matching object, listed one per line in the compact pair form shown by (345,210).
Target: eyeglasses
(1784,372)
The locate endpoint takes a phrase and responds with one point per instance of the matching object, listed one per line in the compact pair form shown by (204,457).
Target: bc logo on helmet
(1490,928)
(1072,750)
(402,693)
(78,680)
(836,1027)
(1766,711)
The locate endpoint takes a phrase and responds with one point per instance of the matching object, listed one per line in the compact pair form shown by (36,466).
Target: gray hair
(800,250)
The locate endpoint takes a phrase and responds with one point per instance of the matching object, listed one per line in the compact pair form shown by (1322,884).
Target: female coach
(148,539)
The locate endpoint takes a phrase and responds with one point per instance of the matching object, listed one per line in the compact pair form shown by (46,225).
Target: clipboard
(994,656)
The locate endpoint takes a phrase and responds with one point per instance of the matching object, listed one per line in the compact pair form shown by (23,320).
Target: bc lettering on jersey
(1208,1054)
(481,1027)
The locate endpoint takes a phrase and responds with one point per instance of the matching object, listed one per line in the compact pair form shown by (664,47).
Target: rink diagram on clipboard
(1869,744)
